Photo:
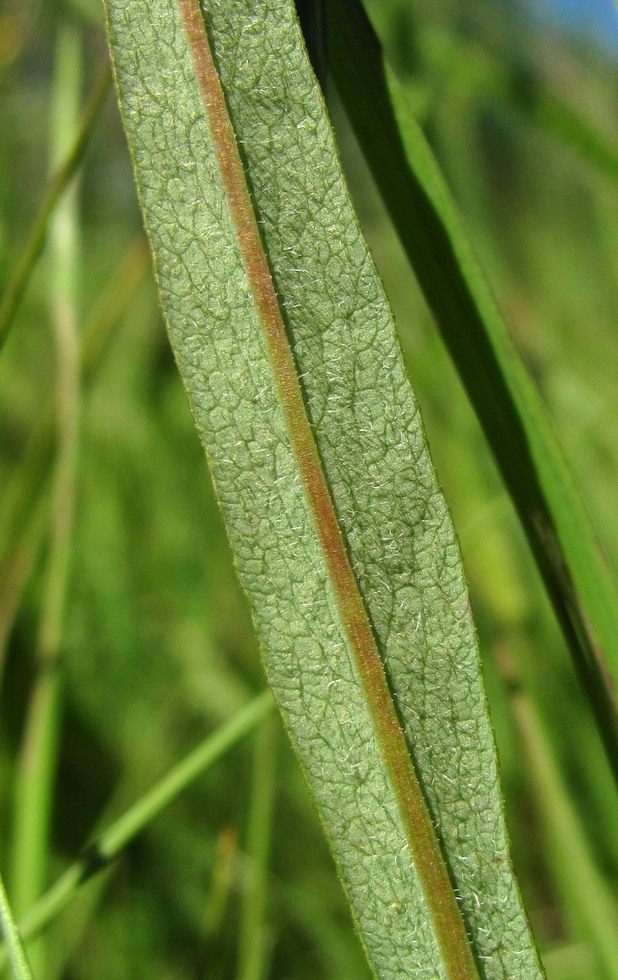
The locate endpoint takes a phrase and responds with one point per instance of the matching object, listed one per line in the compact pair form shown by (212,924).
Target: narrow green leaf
(509,408)
(33,790)
(342,539)
(18,960)
(252,932)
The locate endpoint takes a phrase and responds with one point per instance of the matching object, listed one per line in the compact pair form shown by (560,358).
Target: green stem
(20,968)
(112,303)
(252,939)
(36,776)
(222,881)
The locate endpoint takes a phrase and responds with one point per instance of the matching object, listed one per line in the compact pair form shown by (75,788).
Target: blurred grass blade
(57,185)
(110,306)
(222,881)
(522,89)
(252,944)
(27,483)
(507,404)
(18,960)
(341,536)
(16,572)
(34,784)
(25,504)
(108,845)
(586,894)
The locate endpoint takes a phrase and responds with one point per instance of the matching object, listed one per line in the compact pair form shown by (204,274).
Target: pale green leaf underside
(366,424)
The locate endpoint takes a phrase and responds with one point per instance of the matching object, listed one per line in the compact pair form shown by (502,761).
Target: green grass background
(157,645)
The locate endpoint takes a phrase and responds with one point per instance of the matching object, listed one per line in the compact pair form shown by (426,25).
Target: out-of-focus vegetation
(156,645)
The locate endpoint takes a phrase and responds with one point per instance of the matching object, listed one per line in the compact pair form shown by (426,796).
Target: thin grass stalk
(252,935)
(38,759)
(20,968)
(105,848)
(27,485)
(111,304)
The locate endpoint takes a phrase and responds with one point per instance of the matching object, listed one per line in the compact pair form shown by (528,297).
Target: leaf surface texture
(370,451)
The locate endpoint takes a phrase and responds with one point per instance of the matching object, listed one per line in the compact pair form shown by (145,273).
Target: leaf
(341,536)
(20,967)
(577,578)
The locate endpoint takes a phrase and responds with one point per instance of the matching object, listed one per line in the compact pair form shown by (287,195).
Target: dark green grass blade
(508,406)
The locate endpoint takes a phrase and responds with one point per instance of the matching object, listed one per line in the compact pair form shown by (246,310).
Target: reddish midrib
(424,845)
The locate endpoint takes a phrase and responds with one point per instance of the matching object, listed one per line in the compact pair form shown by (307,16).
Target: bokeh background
(521,108)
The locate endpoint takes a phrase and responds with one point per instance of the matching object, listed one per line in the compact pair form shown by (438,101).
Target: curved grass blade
(33,791)
(342,539)
(508,406)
